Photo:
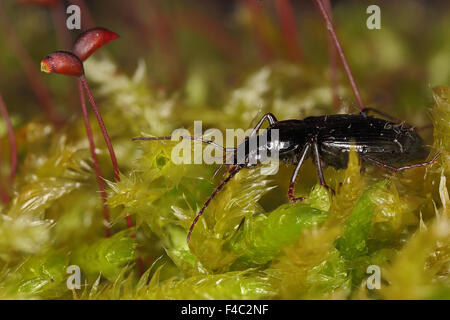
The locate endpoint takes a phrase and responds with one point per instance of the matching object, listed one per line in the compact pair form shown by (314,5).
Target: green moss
(39,276)
(106,257)
(263,236)
(353,242)
(233,285)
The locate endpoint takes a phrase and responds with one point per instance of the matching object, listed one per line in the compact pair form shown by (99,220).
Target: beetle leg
(303,155)
(428,126)
(365,112)
(389,167)
(316,157)
(269,116)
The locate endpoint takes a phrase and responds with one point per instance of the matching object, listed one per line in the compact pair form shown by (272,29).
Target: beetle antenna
(225,159)
(185,137)
(217,170)
(234,171)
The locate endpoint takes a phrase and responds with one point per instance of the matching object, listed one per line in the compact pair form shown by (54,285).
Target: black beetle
(328,139)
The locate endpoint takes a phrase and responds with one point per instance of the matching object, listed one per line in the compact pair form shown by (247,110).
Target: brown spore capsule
(89,41)
(62,62)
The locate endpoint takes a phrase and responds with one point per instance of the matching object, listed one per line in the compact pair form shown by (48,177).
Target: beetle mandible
(328,140)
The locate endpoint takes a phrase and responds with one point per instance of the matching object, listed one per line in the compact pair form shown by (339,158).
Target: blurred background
(201,49)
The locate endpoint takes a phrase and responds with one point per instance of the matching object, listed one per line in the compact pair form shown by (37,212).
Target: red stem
(112,155)
(59,23)
(333,62)
(12,140)
(98,172)
(83,81)
(162,28)
(257,17)
(333,35)
(4,196)
(208,27)
(28,66)
(289,29)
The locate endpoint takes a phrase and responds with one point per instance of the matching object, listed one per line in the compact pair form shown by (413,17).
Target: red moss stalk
(213,31)
(40,91)
(112,154)
(4,196)
(257,17)
(57,11)
(162,30)
(59,23)
(98,172)
(12,140)
(333,61)
(289,29)
(337,44)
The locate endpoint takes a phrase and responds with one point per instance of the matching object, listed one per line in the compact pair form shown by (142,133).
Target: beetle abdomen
(393,144)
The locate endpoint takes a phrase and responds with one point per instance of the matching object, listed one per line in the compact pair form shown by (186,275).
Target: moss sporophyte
(71,64)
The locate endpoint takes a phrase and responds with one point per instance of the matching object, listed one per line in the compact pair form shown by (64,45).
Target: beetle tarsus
(318,164)
(296,172)
(291,196)
(365,112)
